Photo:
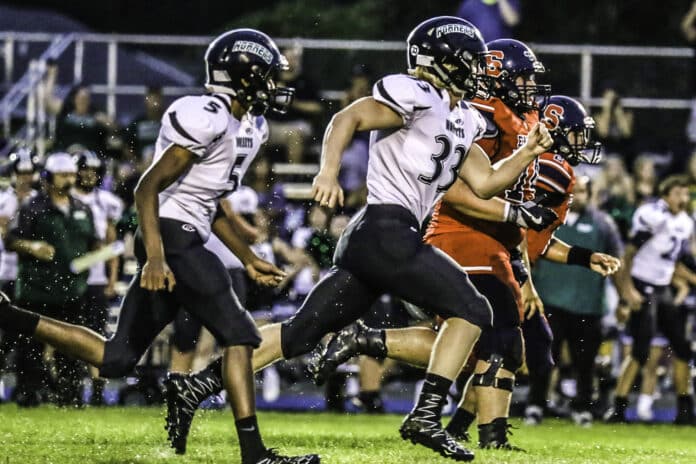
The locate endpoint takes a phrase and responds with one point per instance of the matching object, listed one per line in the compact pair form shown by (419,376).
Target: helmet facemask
(258,92)
(461,72)
(522,96)
(575,143)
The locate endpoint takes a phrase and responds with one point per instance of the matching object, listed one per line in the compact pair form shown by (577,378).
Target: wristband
(579,256)
(507,212)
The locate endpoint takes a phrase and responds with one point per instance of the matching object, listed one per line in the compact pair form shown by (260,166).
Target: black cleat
(353,340)
(612,416)
(430,434)
(494,436)
(272,457)
(181,408)
(462,436)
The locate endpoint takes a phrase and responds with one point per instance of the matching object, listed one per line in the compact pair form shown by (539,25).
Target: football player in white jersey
(422,139)
(107,209)
(659,248)
(204,145)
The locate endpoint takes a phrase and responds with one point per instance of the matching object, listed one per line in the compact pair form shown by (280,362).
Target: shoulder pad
(261,126)
(404,94)
(194,122)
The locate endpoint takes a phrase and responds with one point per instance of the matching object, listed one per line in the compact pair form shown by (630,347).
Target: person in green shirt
(573,296)
(51,230)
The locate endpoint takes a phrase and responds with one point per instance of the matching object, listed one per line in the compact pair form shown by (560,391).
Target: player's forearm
(225,231)
(623,280)
(21,246)
(509,14)
(461,198)
(338,135)
(557,251)
(505,172)
(684,273)
(147,207)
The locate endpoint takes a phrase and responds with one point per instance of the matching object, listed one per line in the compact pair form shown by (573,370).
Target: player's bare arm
(601,263)
(259,270)
(362,115)
(174,162)
(528,215)
(624,282)
(530,297)
(247,231)
(487,180)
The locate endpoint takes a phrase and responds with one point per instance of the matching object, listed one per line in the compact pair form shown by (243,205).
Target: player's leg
(81,342)
(183,342)
(644,407)
(538,340)
(583,343)
(673,324)
(642,327)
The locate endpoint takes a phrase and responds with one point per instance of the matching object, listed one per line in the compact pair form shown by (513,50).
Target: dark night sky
(145,16)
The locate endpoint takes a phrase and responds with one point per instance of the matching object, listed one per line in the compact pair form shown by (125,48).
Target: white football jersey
(9,207)
(224,147)
(415,165)
(8,260)
(106,207)
(243,201)
(669,235)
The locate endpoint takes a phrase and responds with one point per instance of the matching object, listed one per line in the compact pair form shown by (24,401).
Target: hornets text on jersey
(398,172)
(224,149)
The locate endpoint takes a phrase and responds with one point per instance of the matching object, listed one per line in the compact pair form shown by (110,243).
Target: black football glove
(531,215)
(519,269)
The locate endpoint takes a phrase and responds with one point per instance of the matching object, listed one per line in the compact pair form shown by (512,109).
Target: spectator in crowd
(688,26)
(575,311)
(496,19)
(142,132)
(107,210)
(691,172)
(49,231)
(644,179)
(292,129)
(613,192)
(615,126)
(80,123)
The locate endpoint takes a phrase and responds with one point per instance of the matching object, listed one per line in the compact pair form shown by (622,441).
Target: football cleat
(180,411)
(582,418)
(533,415)
(429,433)
(612,416)
(353,340)
(272,457)
(494,435)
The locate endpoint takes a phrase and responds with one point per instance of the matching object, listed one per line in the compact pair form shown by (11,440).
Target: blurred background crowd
(642,145)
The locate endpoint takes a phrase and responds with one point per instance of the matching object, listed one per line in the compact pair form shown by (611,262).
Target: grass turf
(136,435)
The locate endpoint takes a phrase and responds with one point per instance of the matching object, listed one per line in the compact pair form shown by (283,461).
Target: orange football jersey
(505,133)
(556,177)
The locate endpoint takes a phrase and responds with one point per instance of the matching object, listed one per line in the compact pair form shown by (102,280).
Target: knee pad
(489,379)
(118,361)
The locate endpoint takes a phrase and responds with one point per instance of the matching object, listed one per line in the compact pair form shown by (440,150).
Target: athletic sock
(17,320)
(432,397)
(460,422)
(250,441)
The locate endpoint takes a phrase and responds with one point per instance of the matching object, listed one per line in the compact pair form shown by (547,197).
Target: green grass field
(136,435)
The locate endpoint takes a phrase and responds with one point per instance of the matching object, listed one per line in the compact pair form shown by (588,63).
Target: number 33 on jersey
(413,166)
(224,147)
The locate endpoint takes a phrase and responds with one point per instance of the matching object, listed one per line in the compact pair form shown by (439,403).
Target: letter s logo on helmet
(245,64)
(571,128)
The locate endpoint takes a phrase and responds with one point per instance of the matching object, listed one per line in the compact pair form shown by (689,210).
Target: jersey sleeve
(481,125)
(402,94)
(194,123)
(114,207)
(644,224)
(8,205)
(262,128)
